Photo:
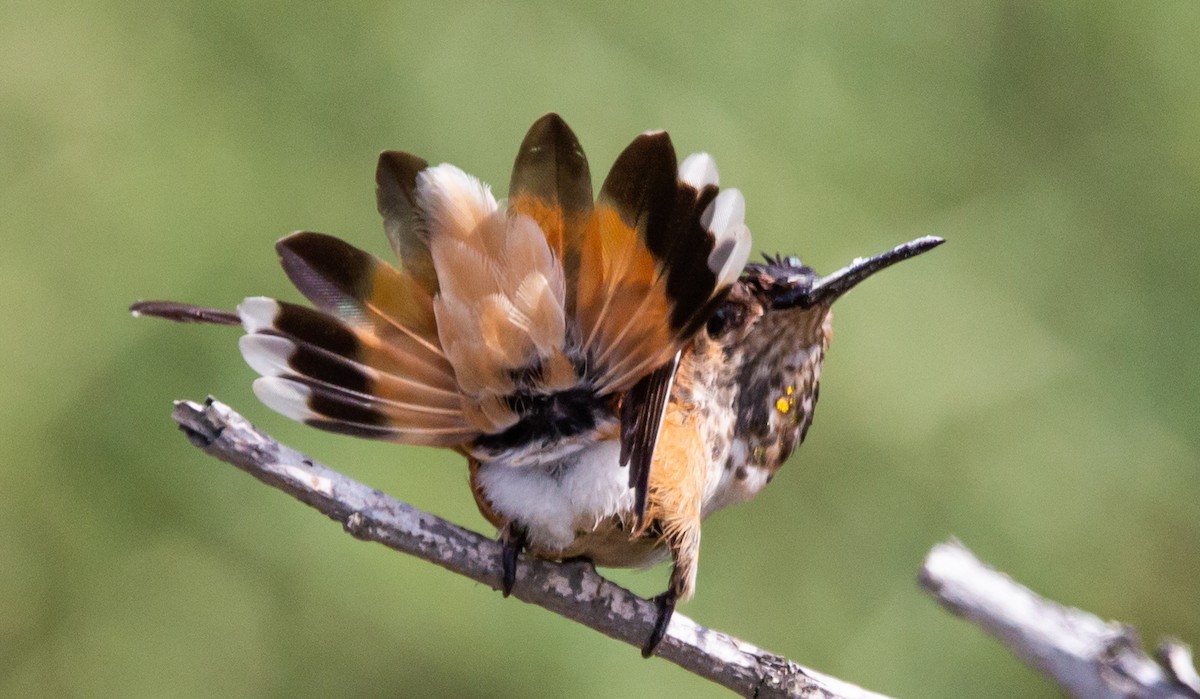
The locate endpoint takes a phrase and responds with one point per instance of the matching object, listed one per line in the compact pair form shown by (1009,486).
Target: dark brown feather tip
(396,184)
(552,167)
(642,182)
(550,178)
(644,186)
(327,270)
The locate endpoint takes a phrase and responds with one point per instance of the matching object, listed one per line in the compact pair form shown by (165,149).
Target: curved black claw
(666,609)
(512,541)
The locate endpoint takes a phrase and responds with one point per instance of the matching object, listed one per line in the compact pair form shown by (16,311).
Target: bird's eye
(728,317)
(716,324)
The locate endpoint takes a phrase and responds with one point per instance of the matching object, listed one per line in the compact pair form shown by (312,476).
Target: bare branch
(1084,655)
(573,590)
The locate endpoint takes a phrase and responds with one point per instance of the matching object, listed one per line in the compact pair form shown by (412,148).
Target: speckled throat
(779,383)
(762,398)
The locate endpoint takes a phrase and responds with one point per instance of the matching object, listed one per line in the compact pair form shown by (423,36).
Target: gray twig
(1084,655)
(573,590)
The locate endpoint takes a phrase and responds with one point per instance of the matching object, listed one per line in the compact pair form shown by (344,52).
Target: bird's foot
(513,540)
(666,609)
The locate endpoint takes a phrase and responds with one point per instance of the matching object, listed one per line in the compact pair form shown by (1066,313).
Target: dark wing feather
(551,183)
(622,309)
(642,412)
(395,193)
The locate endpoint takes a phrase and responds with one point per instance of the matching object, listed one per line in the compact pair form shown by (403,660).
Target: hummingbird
(611,367)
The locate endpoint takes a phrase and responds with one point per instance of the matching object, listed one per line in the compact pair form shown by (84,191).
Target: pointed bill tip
(829,288)
(925,242)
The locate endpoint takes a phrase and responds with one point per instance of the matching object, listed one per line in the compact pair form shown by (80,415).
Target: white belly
(556,500)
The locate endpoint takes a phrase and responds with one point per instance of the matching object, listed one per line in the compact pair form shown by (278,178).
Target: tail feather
(322,372)
(552,185)
(620,314)
(703,265)
(395,191)
(362,290)
(260,314)
(277,355)
(337,410)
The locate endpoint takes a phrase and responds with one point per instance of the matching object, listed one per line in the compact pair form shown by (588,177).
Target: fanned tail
(507,325)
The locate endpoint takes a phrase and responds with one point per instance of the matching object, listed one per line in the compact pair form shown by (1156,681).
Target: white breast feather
(552,502)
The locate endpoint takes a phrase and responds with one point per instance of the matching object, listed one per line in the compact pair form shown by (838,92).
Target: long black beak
(829,288)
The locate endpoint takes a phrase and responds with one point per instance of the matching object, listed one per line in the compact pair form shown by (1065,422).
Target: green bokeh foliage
(1031,387)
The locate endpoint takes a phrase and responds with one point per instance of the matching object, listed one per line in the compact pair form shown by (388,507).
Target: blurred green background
(1031,387)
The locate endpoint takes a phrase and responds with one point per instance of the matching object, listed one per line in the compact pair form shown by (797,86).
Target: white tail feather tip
(725,214)
(453,201)
(258,313)
(267,354)
(284,396)
(699,170)
(727,268)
